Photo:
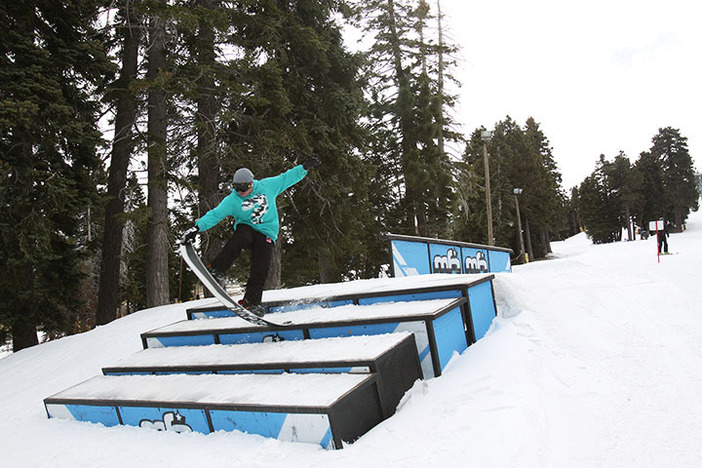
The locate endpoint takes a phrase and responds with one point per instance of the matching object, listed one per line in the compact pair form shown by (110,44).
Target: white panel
(310,428)
(402,268)
(422,339)
(153,343)
(59,411)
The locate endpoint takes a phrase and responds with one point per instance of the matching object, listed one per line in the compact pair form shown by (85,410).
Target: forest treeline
(122,122)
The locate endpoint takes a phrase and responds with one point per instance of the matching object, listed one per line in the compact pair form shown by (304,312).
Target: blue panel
(215,313)
(253,422)
(252,371)
(106,415)
(186,340)
(262,337)
(353,330)
(327,441)
(410,258)
(166,419)
(500,262)
(445,258)
(475,260)
(197,372)
(425,296)
(482,306)
(450,335)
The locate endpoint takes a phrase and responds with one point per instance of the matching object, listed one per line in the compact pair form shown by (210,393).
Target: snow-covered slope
(594,361)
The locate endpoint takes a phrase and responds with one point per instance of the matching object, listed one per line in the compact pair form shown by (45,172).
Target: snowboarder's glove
(310,163)
(190,234)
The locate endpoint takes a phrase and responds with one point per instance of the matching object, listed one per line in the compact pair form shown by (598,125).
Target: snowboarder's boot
(256,309)
(219,276)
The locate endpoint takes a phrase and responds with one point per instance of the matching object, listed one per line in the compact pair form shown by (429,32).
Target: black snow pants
(246,237)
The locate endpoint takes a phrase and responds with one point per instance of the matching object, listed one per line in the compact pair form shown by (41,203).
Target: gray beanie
(243,176)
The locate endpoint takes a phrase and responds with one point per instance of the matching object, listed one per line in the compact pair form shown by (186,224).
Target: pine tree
(129,30)
(52,66)
(598,205)
(296,96)
(652,188)
(625,184)
(409,113)
(670,148)
(157,272)
(519,158)
(544,198)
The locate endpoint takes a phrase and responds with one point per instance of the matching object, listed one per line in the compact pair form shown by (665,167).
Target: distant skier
(252,204)
(663,233)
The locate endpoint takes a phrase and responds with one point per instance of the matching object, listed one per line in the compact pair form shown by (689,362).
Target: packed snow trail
(594,360)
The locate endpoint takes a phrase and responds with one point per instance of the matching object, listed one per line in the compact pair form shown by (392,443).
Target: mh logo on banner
(449,263)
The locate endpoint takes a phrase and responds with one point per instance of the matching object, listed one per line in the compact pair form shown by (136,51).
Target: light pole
(518,191)
(486,136)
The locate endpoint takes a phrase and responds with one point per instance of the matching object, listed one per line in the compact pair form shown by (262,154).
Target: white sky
(599,77)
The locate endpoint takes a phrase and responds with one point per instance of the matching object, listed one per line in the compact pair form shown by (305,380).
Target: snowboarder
(252,204)
(663,233)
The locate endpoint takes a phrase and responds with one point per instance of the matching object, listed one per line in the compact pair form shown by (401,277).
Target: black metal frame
(355,298)
(397,368)
(353,414)
(305,327)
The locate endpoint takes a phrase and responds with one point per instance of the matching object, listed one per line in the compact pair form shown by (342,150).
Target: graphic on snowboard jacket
(258,209)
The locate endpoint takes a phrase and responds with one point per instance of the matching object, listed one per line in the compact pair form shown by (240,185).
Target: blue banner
(413,256)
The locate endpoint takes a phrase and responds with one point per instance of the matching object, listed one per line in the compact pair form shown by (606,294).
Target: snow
(595,360)
(318,315)
(303,390)
(376,286)
(360,348)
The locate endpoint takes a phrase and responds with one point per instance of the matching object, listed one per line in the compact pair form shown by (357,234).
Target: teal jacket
(258,209)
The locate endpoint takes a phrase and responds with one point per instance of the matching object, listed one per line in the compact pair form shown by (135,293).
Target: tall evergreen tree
(204,80)
(129,29)
(157,272)
(652,188)
(625,183)
(408,110)
(670,148)
(547,197)
(298,96)
(598,204)
(52,66)
(518,158)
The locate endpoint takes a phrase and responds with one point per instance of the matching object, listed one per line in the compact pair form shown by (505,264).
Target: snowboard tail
(187,251)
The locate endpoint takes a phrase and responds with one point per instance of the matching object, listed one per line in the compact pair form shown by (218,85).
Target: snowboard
(187,251)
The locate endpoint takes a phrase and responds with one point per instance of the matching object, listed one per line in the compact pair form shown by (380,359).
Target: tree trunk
(24,335)
(440,90)
(157,292)
(678,219)
(24,330)
(546,241)
(527,233)
(627,214)
(405,114)
(273,281)
(108,293)
(326,274)
(205,119)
